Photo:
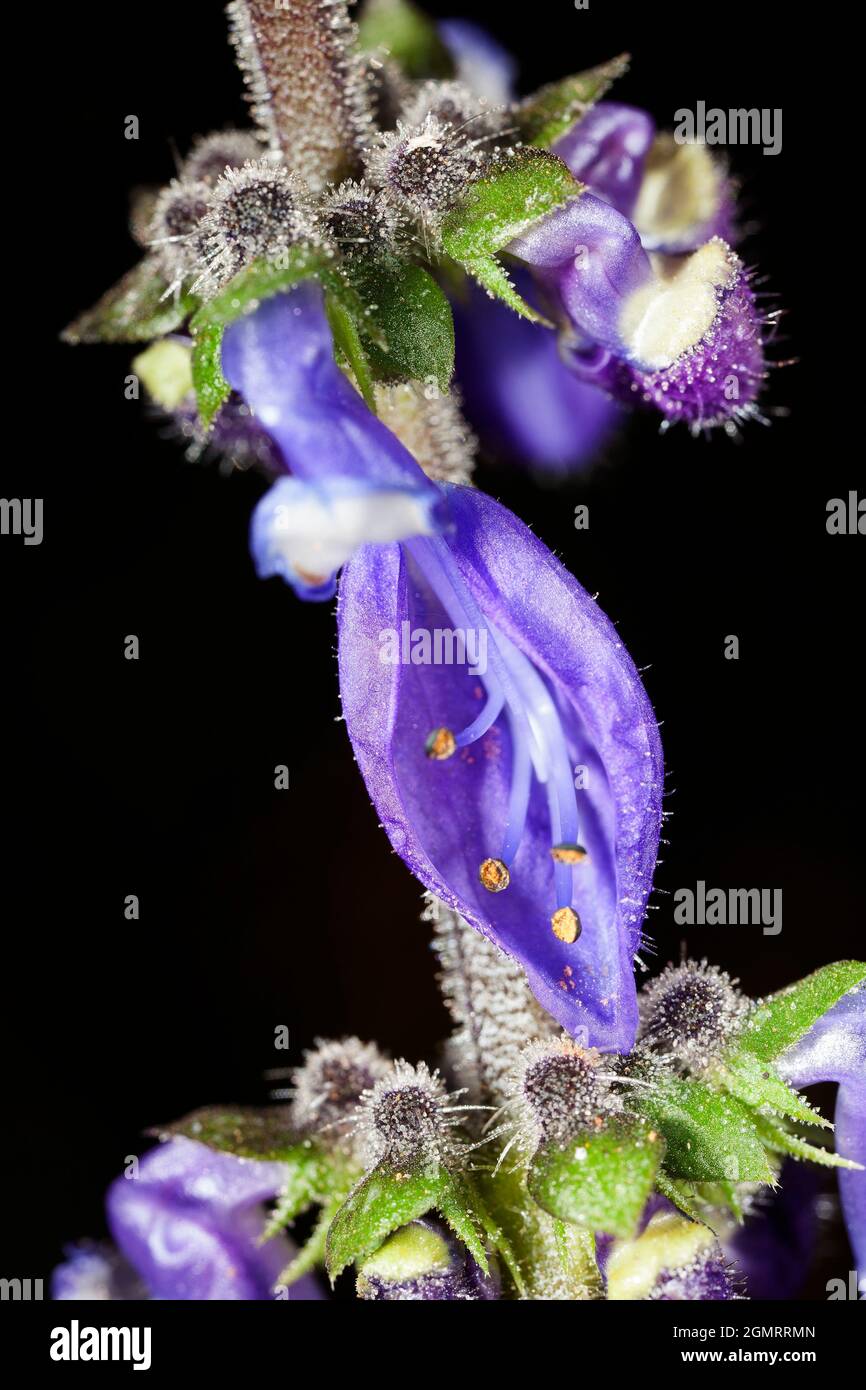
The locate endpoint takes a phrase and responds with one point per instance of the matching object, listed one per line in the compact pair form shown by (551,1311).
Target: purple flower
(607,150)
(191,1221)
(678,334)
(522,784)
(835,1050)
(423,1262)
(526,405)
(678,196)
(350,479)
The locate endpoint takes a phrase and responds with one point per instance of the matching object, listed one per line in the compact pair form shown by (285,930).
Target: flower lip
(352,481)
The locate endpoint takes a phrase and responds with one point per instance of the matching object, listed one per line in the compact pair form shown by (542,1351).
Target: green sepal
(599,1180)
(782,1019)
(407,35)
(414,320)
(757,1083)
(553,109)
(782,1140)
(575,1250)
(244,293)
(498,1241)
(247,1131)
(133,311)
(525,186)
(684,1201)
(388,1198)
(529,1238)
(703,1202)
(710,1135)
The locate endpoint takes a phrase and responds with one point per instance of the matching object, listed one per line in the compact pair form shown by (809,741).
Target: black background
(155,777)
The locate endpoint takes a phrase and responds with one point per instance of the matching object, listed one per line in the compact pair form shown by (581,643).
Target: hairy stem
(491,1004)
(305,83)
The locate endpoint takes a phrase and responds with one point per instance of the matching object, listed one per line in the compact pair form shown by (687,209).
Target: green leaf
(387,1199)
(243,294)
(758,1083)
(551,111)
(527,185)
(211,388)
(600,1180)
(133,311)
(784,1018)
(414,320)
(347,341)
(710,1136)
(408,36)
(784,1141)
(246,1131)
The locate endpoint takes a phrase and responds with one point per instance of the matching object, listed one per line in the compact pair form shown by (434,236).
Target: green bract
(527,185)
(387,1199)
(600,1180)
(553,109)
(710,1136)
(780,1021)
(135,310)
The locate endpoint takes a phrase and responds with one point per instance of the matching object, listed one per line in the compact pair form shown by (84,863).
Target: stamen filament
(537,737)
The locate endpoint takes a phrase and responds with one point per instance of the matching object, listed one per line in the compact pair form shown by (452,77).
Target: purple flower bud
(691,1012)
(680,334)
(607,149)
